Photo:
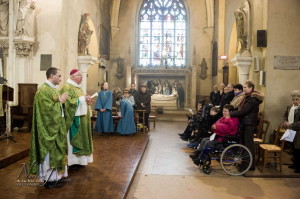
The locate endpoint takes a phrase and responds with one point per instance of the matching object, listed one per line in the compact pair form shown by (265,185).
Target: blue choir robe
(104,122)
(126,124)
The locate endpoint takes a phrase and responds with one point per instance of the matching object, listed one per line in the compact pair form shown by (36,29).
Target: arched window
(162,34)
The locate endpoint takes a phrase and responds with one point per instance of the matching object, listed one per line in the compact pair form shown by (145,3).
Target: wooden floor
(116,159)
(10,151)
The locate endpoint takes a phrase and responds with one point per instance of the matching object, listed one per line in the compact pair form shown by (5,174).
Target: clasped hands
(63,97)
(285,124)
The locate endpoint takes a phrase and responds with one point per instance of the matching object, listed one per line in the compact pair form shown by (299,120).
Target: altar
(168,102)
(170,88)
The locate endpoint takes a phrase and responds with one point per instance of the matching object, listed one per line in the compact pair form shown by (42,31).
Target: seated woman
(225,126)
(196,118)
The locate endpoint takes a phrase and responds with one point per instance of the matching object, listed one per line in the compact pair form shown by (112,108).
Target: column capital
(24,45)
(4,45)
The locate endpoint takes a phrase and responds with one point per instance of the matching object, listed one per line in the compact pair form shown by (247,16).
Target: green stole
(79,127)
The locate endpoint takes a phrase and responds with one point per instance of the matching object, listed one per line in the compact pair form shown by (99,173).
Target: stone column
(194,86)
(4,46)
(128,76)
(242,62)
(84,62)
(24,46)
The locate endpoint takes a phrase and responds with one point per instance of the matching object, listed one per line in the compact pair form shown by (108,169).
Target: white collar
(50,84)
(73,83)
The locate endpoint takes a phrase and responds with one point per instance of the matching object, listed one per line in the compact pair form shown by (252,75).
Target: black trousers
(296,154)
(146,119)
(247,135)
(188,131)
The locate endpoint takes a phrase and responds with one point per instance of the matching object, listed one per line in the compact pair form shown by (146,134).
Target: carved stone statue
(120,67)
(242,22)
(166,88)
(25,18)
(203,67)
(84,35)
(4,18)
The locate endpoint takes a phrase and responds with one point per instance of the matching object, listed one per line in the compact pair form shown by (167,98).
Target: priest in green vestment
(78,121)
(48,150)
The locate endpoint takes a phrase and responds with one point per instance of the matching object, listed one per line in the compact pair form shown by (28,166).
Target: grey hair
(295,93)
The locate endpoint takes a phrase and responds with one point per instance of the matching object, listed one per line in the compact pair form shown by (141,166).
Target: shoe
(193,156)
(193,145)
(196,161)
(181,134)
(291,167)
(76,167)
(54,184)
(297,170)
(184,138)
(252,169)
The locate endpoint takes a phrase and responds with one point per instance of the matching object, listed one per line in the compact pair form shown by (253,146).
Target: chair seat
(257,140)
(152,116)
(270,147)
(20,117)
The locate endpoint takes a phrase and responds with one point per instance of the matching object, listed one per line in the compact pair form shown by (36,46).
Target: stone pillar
(84,62)
(242,62)
(128,76)
(4,46)
(24,46)
(194,86)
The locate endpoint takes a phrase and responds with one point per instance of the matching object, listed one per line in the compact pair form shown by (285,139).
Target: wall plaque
(287,62)
(46,62)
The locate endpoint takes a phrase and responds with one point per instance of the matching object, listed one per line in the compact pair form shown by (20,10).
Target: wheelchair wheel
(206,168)
(236,159)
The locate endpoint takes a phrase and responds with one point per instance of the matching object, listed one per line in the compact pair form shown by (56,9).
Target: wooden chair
(152,116)
(114,111)
(271,153)
(261,131)
(143,119)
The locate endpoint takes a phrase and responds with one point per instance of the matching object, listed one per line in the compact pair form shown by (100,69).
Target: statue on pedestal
(84,35)
(25,18)
(242,27)
(203,67)
(120,67)
(4,18)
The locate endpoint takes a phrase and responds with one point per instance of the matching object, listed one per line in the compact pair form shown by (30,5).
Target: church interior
(179,50)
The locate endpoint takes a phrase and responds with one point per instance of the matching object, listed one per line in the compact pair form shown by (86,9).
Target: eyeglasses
(58,76)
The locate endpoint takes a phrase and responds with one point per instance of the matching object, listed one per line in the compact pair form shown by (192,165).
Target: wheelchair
(235,158)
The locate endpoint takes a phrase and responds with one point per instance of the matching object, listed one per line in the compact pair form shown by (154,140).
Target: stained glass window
(162,34)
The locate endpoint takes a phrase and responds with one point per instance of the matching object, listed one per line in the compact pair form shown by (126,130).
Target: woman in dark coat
(248,117)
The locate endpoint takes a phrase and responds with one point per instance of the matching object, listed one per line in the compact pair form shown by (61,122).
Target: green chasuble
(48,133)
(79,126)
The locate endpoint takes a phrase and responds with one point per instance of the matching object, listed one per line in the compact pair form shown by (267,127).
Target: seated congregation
(232,118)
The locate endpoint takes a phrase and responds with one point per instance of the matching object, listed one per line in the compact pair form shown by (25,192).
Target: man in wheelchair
(225,130)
